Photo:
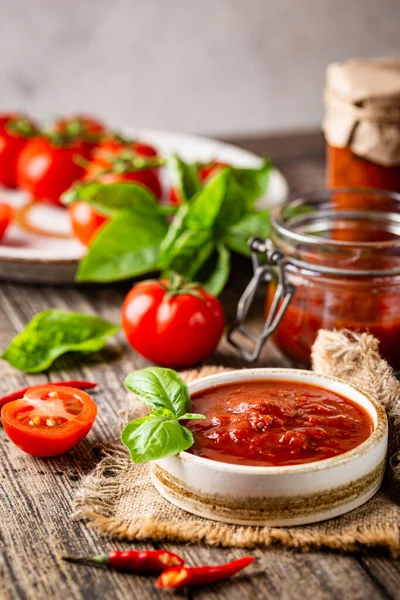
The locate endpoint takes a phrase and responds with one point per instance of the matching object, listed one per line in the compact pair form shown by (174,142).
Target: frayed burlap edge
(104,483)
(101,487)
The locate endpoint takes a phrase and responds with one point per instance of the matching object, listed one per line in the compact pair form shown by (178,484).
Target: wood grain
(36,524)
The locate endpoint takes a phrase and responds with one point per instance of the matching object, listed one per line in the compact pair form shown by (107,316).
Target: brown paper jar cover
(362,109)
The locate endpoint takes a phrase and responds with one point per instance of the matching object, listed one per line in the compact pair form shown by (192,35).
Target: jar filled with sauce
(362,124)
(332,262)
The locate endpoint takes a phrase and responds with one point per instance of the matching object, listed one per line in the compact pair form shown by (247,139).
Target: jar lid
(362,108)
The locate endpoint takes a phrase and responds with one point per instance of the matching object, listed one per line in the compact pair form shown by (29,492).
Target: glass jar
(362,124)
(327,265)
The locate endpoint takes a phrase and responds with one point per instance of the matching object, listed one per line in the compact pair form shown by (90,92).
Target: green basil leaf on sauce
(127,247)
(155,437)
(160,388)
(184,177)
(191,416)
(112,197)
(53,333)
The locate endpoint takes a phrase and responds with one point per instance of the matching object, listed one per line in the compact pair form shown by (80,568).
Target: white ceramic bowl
(291,495)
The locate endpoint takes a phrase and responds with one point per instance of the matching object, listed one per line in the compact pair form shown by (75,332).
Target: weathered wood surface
(36,528)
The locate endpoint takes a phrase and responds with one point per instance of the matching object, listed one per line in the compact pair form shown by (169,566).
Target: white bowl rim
(379,432)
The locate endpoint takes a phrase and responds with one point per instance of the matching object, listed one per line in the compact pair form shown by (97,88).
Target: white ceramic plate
(41,259)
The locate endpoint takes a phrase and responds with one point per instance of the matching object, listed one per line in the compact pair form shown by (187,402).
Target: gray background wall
(210,66)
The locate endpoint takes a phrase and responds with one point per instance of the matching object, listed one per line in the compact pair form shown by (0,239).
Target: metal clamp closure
(263,273)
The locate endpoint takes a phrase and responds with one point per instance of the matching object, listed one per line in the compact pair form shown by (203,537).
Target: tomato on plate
(114,144)
(49,419)
(85,221)
(15,131)
(173,324)
(46,169)
(116,160)
(6,215)
(146,177)
(84,128)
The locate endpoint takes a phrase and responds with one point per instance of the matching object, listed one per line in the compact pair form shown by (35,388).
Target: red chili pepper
(134,561)
(178,577)
(80,385)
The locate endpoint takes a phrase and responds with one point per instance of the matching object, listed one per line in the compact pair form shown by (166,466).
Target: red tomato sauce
(365,304)
(275,423)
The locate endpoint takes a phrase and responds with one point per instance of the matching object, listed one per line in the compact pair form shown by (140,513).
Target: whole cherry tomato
(172,323)
(49,419)
(15,131)
(123,165)
(83,128)
(6,215)
(46,169)
(85,221)
(114,144)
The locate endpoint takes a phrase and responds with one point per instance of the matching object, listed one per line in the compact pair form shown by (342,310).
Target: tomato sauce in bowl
(275,423)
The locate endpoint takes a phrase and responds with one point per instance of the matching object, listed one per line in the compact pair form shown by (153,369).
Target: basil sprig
(215,219)
(53,333)
(160,434)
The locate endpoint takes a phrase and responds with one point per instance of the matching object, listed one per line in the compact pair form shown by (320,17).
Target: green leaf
(246,186)
(110,198)
(255,223)
(190,252)
(218,278)
(160,388)
(191,416)
(176,228)
(253,183)
(155,437)
(206,206)
(184,177)
(127,247)
(52,333)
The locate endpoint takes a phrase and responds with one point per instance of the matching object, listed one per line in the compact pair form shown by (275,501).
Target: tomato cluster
(47,162)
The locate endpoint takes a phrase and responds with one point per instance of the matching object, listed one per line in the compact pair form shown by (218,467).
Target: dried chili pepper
(178,577)
(134,561)
(80,385)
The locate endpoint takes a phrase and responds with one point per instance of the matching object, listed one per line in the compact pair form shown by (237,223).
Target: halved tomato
(49,419)
(85,221)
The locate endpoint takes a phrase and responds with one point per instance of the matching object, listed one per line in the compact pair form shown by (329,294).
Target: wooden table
(36,496)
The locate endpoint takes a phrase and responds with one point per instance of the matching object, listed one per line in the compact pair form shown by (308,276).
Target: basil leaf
(184,177)
(255,223)
(217,280)
(155,437)
(190,252)
(128,246)
(52,333)
(206,206)
(176,228)
(160,388)
(113,197)
(191,416)
(162,412)
(252,183)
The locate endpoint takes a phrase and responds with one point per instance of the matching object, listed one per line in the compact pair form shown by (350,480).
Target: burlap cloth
(119,499)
